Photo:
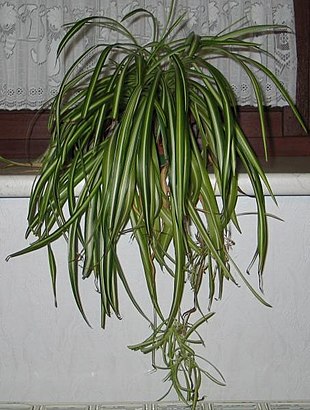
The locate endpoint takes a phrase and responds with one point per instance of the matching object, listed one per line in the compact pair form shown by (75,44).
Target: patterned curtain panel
(30,32)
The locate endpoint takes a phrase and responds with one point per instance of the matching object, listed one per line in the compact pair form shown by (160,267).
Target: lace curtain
(30,32)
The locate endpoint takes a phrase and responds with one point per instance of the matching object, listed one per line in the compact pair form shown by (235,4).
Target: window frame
(286,136)
(24,134)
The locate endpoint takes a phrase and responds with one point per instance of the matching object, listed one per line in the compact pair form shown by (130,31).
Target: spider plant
(137,142)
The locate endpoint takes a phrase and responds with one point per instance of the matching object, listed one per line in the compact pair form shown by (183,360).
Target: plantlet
(134,142)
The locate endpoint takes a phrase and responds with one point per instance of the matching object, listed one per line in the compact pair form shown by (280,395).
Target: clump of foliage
(134,141)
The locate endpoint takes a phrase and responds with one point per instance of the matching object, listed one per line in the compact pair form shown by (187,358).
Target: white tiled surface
(160,406)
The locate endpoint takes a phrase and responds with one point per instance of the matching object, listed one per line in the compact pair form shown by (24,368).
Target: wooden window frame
(23,136)
(286,137)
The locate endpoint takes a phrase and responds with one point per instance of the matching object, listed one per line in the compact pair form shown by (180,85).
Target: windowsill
(287,176)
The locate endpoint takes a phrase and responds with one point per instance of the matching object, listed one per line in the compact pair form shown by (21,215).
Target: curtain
(30,32)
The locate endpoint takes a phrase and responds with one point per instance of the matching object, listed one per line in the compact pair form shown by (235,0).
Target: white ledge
(282,184)
(16,186)
(287,176)
(290,184)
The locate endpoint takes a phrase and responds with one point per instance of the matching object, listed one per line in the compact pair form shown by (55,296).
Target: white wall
(49,354)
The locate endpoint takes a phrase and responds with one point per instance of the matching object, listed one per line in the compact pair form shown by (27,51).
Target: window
(286,137)
(23,134)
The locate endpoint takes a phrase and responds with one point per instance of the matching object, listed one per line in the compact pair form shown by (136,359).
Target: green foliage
(139,136)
